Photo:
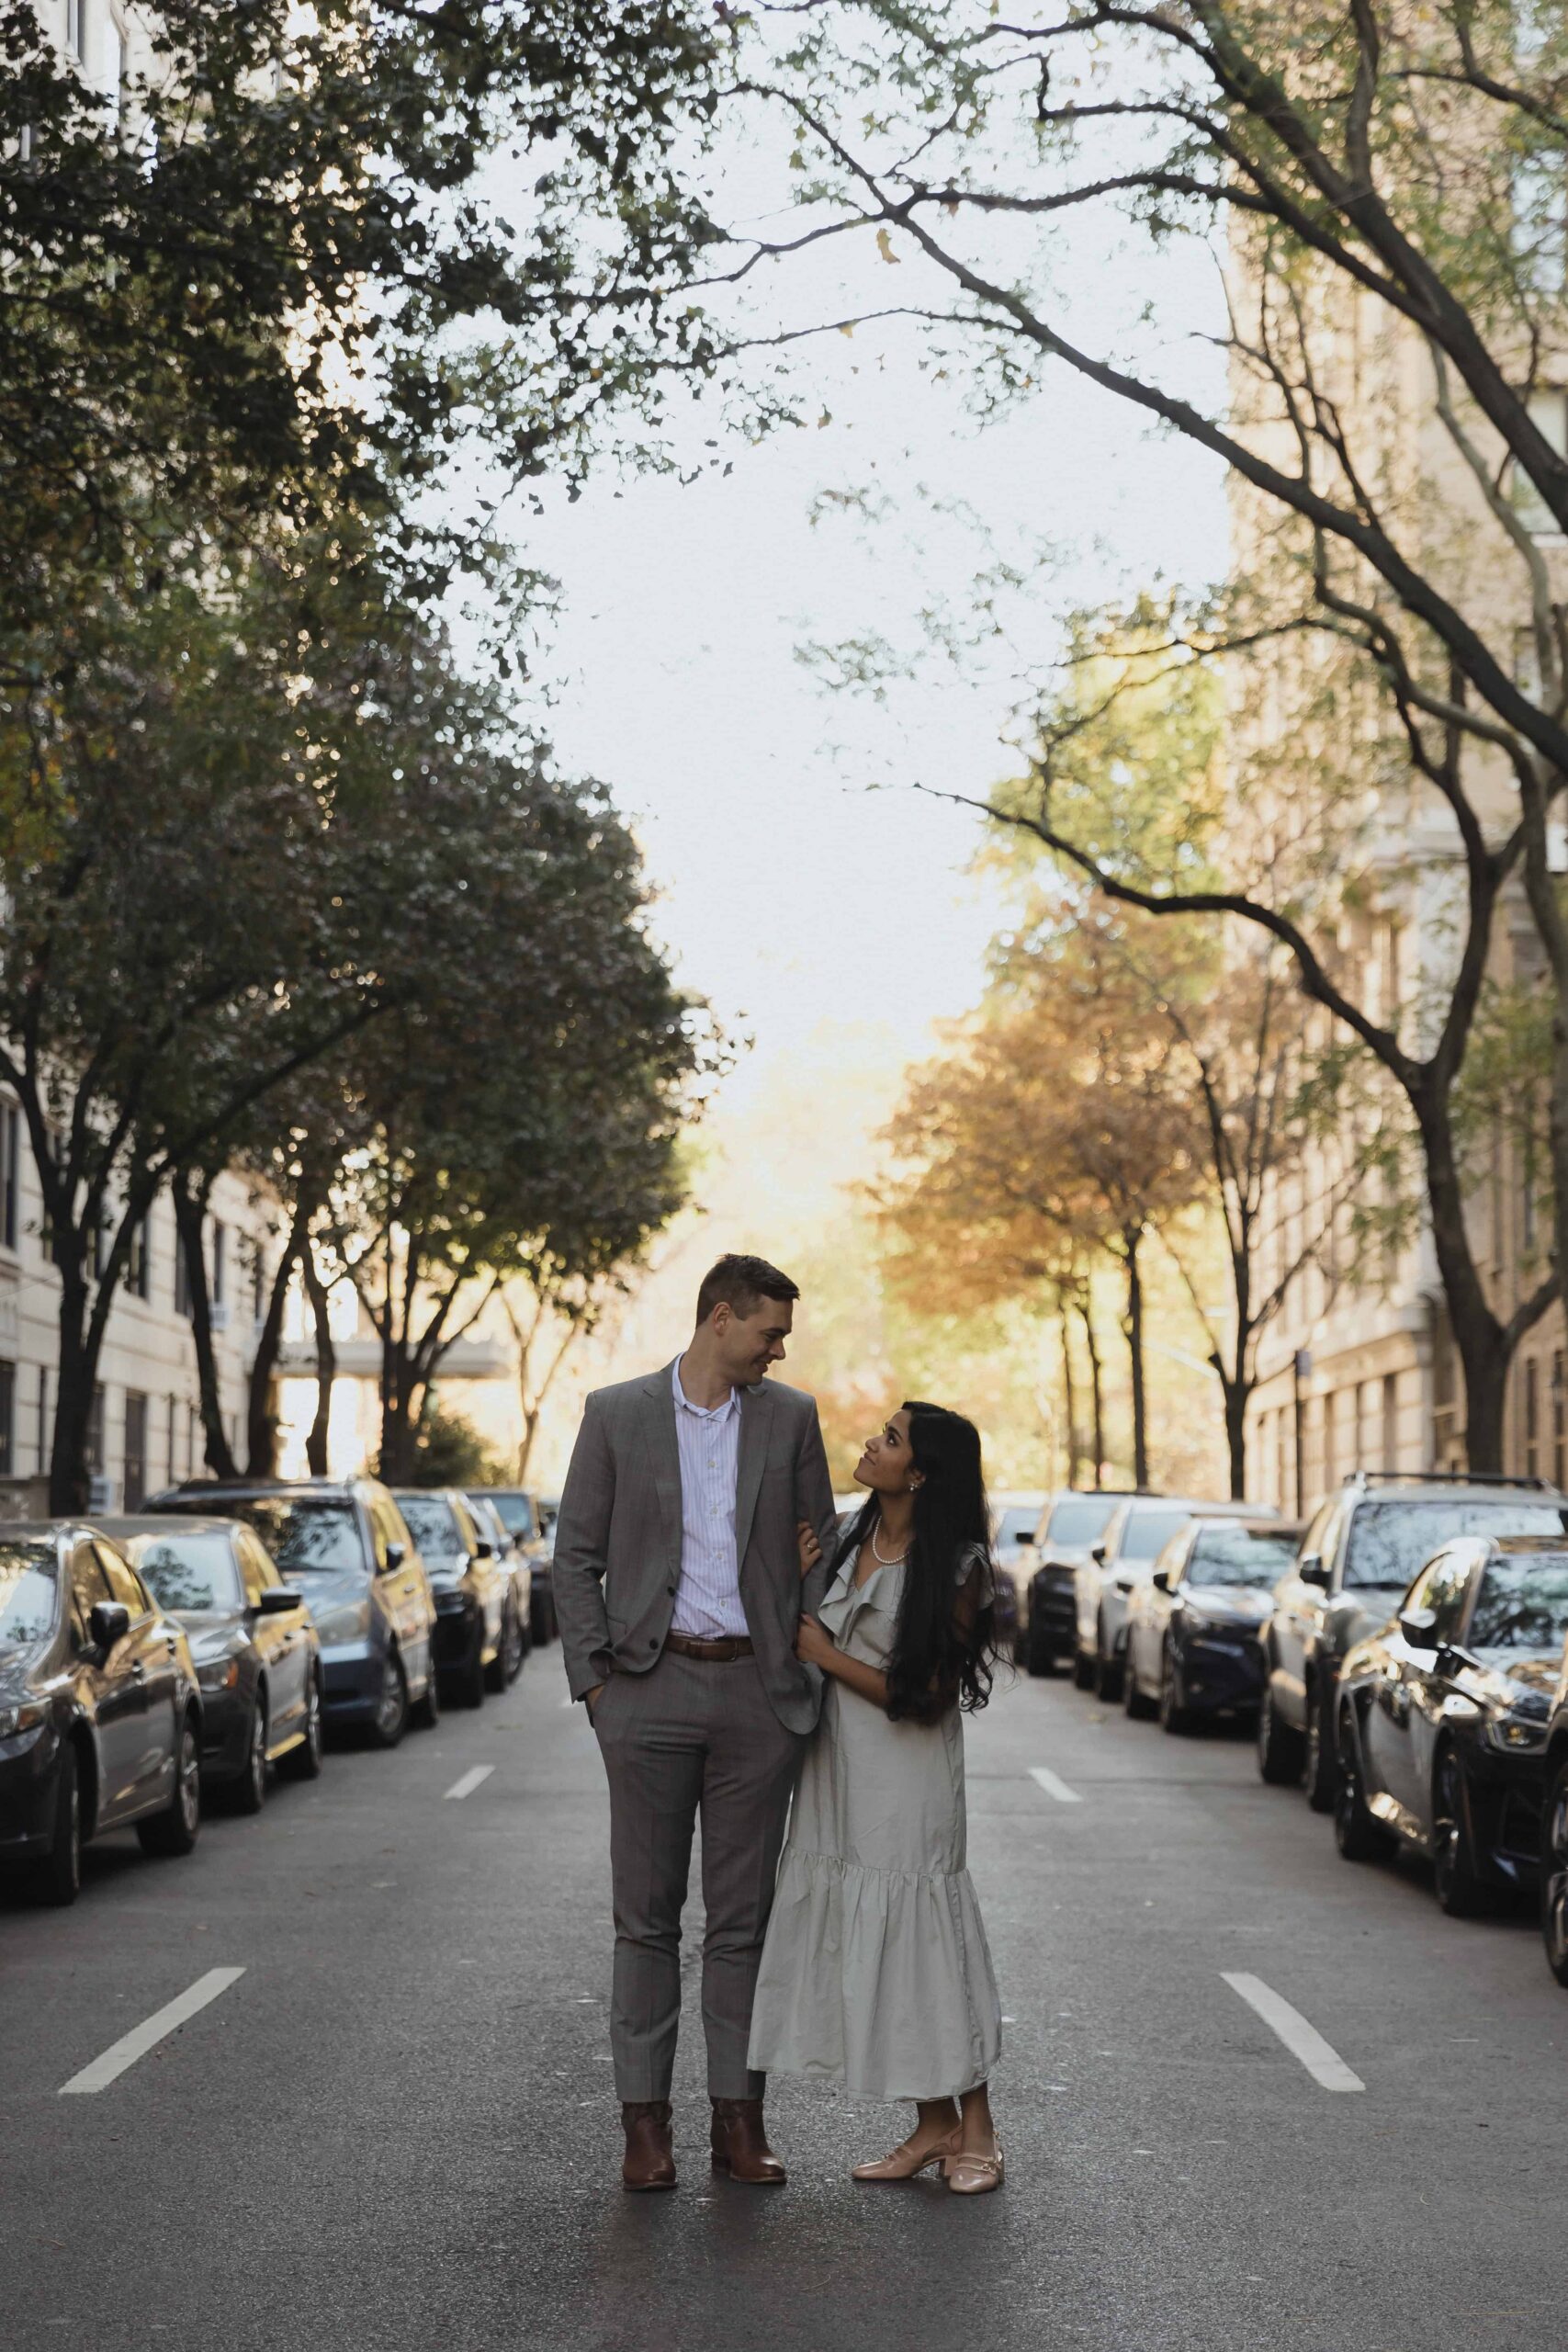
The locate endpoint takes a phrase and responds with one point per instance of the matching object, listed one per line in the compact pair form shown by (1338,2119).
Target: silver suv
(1360,1552)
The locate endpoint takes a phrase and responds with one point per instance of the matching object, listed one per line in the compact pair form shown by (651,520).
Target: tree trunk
(1131,1238)
(1069,1398)
(76,1372)
(1484,1347)
(1096,1385)
(261,1414)
(190,1215)
(1236,1391)
(326,1359)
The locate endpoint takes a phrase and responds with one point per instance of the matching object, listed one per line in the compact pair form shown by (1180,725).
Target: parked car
(343,1542)
(1194,1620)
(520,1510)
(1442,1718)
(1138,1528)
(1362,1548)
(1014,1518)
(518,1566)
(479,1645)
(1061,1546)
(101,1711)
(252,1639)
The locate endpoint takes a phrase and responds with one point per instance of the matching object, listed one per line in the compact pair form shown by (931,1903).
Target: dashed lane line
(1052,1785)
(1321,2060)
(153,2030)
(470,1780)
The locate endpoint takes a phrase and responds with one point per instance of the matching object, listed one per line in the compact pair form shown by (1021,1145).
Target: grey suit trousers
(691,1737)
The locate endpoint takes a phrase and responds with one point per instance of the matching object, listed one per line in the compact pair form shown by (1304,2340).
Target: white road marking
(1321,2060)
(1053,1786)
(147,2036)
(471,1780)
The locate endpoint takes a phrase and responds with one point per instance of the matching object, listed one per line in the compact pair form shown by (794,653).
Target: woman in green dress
(876,1973)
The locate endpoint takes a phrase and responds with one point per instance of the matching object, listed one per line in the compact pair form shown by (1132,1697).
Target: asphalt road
(396,2128)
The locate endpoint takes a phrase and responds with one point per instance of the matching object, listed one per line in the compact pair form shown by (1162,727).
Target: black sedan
(1442,1718)
(100,1712)
(252,1641)
(1194,1620)
(478,1645)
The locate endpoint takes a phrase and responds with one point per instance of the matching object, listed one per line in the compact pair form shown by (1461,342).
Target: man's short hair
(740,1283)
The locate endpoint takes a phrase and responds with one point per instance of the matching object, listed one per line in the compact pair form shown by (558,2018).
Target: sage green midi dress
(876,1973)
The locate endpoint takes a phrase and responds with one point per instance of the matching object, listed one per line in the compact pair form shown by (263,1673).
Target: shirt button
(670,1589)
(653,1645)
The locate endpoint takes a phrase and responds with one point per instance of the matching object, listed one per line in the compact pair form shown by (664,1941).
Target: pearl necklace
(876,1555)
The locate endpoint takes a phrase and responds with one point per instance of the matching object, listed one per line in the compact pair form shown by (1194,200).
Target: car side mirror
(109,1622)
(275,1600)
(1161,1580)
(395,1554)
(1097,1553)
(1311,1569)
(483,1550)
(1417,1626)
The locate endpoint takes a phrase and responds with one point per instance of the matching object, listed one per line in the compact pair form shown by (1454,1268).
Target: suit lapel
(756,1425)
(664,1454)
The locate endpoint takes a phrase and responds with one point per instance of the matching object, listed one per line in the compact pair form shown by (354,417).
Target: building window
(1390,1420)
(219,1265)
(10,1174)
(1549,413)
(190,1440)
(96,1430)
(1533,1420)
(1559,1430)
(8,1418)
(138,1264)
(135,1449)
(182,1280)
(173,1465)
(258,1284)
(75,12)
(42,1418)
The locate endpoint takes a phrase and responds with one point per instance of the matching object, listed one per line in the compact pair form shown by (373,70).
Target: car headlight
(219,1674)
(26,1717)
(1516,1734)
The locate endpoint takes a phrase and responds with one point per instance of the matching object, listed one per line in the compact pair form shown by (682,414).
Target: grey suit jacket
(617,1557)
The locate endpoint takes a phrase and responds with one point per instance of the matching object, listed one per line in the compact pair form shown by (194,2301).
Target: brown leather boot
(650,2161)
(741,2143)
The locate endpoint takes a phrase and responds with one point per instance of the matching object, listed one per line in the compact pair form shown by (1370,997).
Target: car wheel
(59,1879)
(174,1831)
(1135,1698)
(1554,1874)
(1107,1672)
(517,1645)
(1456,1871)
(1038,1654)
(497,1676)
(391,1717)
(304,1762)
(468,1681)
(1083,1669)
(1279,1747)
(1320,1775)
(248,1792)
(426,1713)
(1175,1716)
(1359,1834)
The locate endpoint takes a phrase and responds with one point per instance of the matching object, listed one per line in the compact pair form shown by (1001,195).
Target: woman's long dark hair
(940,1654)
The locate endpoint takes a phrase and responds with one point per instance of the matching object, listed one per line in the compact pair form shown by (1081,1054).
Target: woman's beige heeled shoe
(969,2176)
(905,2163)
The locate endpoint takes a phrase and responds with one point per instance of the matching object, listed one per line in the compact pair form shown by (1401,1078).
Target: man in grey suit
(678,1590)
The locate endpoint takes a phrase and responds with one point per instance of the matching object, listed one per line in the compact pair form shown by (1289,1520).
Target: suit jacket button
(653,1645)
(671,1589)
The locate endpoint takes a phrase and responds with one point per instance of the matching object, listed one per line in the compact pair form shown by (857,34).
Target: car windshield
(1149,1531)
(194,1571)
(1080,1519)
(1393,1537)
(27,1595)
(307,1535)
(1522,1605)
(518,1511)
(1016,1523)
(433,1526)
(1236,1555)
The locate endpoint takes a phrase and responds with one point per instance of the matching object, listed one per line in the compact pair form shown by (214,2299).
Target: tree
(448,1452)
(1057,1122)
(1402,171)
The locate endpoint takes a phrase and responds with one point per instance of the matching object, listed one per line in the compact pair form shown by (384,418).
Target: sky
(823,907)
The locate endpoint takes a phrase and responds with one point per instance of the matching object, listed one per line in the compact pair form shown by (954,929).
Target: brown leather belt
(721,1652)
